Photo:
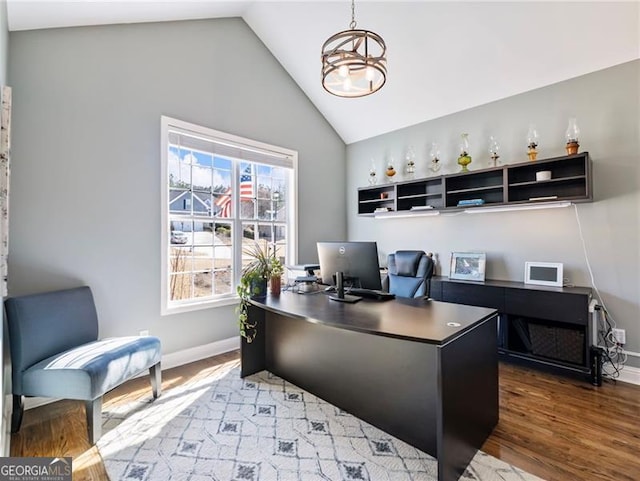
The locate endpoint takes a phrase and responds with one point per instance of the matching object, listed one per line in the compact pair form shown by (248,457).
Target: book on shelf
(421,207)
(467,202)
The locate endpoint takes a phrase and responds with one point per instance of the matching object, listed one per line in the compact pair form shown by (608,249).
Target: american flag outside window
(246,190)
(224,203)
(246,183)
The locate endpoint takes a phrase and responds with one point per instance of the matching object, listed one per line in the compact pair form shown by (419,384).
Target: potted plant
(253,284)
(276,276)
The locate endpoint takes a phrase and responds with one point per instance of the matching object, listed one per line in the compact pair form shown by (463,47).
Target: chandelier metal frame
(354,62)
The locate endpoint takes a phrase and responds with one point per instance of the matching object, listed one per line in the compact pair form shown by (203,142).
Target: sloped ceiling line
(443,57)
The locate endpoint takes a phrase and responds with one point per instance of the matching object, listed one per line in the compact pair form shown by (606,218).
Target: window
(220,193)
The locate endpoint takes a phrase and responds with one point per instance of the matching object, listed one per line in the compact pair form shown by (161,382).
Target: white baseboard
(630,374)
(180,358)
(173,359)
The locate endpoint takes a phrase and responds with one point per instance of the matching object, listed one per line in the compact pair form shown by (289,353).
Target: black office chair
(409,274)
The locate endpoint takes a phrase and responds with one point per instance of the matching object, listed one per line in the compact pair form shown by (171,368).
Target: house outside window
(221,193)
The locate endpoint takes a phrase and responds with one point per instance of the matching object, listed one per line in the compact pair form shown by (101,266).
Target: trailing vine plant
(247,288)
(253,279)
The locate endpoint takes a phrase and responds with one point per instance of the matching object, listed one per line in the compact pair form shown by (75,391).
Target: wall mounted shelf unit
(513,184)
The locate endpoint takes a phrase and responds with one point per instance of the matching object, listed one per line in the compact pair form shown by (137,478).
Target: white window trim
(169,123)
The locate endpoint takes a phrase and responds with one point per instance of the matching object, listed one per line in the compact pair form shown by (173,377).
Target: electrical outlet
(620,335)
(144,332)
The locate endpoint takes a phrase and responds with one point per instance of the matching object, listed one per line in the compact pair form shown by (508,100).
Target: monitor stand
(346,298)
(340,295)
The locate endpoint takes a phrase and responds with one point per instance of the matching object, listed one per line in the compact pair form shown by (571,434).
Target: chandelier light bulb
(343,71)
(346,85)
(370,74)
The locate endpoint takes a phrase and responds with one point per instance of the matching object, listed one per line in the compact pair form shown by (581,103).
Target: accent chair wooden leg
(94,419)
(156,379)
(18,411)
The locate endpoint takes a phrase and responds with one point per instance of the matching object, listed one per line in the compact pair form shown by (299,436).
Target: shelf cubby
(570,180)
(487,185)
(372,198)
(422,193)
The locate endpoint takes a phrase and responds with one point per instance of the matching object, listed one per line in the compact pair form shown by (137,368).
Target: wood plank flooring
(557,428)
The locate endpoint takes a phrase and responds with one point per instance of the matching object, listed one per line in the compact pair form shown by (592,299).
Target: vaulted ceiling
(443,57)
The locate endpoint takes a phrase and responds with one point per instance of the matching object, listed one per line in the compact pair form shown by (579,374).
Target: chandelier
(354,62)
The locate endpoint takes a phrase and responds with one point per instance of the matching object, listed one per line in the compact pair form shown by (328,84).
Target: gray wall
(4,43)
(607,106)
(85,200)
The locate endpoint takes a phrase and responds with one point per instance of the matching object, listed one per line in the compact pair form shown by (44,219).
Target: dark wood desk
(397,365)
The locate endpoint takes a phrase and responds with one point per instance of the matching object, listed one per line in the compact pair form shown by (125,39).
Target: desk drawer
(480,295)
(553,306)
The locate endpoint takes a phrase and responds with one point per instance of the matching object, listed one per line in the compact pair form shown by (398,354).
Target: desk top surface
(412,319)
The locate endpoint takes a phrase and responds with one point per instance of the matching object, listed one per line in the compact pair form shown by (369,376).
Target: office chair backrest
(409,274)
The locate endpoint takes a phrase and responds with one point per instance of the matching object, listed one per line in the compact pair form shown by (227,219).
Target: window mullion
(237,224)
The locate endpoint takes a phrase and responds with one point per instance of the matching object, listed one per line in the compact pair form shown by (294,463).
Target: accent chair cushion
(88,371)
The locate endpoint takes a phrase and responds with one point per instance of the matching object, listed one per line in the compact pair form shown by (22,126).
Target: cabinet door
(552,306)
(473,295)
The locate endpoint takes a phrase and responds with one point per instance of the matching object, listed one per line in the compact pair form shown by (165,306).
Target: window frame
(169,124)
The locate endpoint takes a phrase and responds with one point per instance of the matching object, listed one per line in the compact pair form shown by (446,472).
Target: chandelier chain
(353,24)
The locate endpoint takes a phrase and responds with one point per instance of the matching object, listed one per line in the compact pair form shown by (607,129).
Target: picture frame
(544,273)
(468,266)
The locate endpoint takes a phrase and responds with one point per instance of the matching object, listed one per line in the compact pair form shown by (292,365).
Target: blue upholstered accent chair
(56,353)
(409,274)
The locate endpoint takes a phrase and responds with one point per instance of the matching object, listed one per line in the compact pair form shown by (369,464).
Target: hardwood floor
(564,429)
(557,428)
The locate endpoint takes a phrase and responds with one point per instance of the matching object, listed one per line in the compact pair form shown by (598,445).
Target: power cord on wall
(613,355)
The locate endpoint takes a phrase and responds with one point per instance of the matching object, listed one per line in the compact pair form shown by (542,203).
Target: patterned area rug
(261,428)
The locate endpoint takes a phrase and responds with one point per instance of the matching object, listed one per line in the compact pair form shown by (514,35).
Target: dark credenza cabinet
(539,326)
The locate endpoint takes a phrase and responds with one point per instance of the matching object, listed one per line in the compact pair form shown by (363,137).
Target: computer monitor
(358,262)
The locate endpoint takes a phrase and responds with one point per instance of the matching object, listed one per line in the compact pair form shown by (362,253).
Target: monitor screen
(358,262)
